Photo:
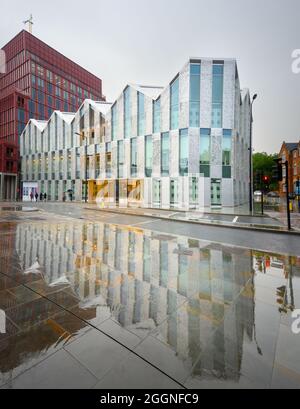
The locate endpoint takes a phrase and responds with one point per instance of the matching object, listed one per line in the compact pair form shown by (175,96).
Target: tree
(263,164)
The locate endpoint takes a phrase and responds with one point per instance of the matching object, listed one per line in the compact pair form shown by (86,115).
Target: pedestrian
(64,197)
(41,197)
(36,196)
(45,197)
(31,196)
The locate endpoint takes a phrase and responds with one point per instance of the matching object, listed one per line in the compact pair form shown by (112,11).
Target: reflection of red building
(38,80)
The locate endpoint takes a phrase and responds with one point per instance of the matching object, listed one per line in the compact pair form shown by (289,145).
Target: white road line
(137,224)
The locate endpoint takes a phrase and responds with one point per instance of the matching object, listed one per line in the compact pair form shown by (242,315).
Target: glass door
(156,193)
(173,193)
(193,192)
(215,192)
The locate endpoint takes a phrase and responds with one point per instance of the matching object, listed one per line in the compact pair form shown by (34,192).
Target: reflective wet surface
(98,305)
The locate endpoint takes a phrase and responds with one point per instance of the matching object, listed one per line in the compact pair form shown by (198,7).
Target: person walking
(41,197)
(45,197)
(36,196)
(31,196)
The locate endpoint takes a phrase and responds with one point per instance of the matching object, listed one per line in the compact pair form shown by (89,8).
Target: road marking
(235,219)
(137,224)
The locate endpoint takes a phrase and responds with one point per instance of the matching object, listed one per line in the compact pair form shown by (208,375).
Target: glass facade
(195,77)
(205,152)
(165,154)
(217,95)
(156,116)
(133,157)
(141,114)
(127,113)
(148,155)
(226,153)
(183,152)
(174,104)
(114,122)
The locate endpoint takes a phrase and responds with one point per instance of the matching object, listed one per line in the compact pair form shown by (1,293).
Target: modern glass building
(37,81)
(182,146)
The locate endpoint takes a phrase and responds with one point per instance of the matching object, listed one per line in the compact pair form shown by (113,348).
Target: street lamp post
(86,169)
(250,157)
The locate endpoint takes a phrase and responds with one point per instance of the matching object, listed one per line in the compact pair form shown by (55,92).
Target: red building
(37,81)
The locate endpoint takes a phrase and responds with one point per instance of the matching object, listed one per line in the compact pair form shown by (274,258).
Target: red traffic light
(266,179)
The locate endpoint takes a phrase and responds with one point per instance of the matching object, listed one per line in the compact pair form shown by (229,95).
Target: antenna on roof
(30,23)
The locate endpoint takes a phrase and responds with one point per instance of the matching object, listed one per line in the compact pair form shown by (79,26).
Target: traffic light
(277,171)
(266,180)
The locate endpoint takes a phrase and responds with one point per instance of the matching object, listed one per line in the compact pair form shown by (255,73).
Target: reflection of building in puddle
(284,268)
(181,288)
(145,278)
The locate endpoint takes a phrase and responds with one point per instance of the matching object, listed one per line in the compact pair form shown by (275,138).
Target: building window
(114,123)
(64,134)
(183,152)
(195,76)
(69,164)
(39,166)
(156,116)
(217,95)
(55,132)
(226,154)
(97,166)
(148,155)
(205,152)
(165,154)
(78,163)
(120,159)
(56,190)
(31,109)
(46,166)
(133,157)
(141,114)
(108,159)
(174,104)
(127,113)
(60,164)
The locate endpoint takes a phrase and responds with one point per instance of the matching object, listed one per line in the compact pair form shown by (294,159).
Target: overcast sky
(148,41)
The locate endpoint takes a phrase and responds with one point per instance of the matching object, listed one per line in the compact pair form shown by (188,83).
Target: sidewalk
(282,218)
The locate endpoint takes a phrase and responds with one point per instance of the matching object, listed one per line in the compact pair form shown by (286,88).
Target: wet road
(98,303)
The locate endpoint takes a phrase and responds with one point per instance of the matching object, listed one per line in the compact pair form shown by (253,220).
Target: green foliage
(263,163)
